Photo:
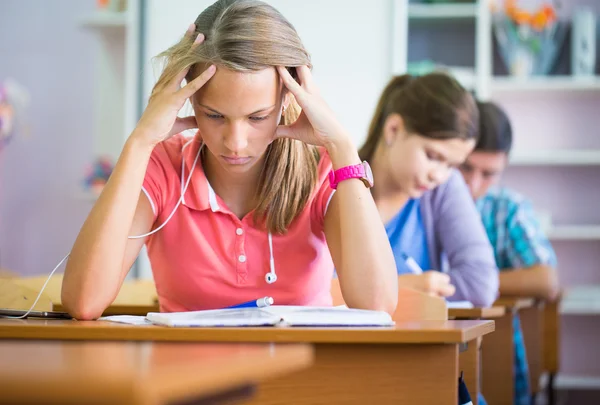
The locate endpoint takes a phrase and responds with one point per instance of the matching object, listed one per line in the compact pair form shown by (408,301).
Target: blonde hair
(248,36)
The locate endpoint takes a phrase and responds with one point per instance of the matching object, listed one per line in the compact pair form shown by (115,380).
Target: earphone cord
(129,237)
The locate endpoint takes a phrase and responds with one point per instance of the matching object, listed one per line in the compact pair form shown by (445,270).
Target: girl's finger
(190,30)
(291,84)
(284,131)
(306,79)
(192,87)
(175,84)
(186,123)
(199,39)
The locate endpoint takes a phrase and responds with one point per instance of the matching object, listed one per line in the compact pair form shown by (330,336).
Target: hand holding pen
(431,281)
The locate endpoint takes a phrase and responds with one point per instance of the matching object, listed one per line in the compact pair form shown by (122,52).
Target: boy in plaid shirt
(523,254)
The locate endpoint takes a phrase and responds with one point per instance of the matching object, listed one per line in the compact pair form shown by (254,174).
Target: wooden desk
(497,381)
(146,373)
(122,309)
(532,325)
(476,313)
(413,362)
(551,346)
(136,297)
(470,359)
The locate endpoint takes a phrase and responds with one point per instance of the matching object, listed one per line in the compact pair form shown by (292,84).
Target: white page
(459,304)
(128,319)
(214,318)
(274,315)
(329,316)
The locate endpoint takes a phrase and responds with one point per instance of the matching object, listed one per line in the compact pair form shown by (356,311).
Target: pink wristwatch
(361,171)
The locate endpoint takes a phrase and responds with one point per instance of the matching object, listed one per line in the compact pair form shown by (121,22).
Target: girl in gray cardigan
(423,128)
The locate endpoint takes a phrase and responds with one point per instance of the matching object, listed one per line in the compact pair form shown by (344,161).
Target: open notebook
(274,315)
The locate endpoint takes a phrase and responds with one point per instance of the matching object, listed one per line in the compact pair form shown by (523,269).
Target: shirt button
(242,258)
(239,231)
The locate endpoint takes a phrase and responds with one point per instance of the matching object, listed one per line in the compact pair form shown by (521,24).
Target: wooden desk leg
(497,378)
(532,326)
(551,346)
(469,363)
(406,374)
(230,397)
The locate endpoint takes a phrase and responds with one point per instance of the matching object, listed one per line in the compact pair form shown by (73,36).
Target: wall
(42,47)
(349,41)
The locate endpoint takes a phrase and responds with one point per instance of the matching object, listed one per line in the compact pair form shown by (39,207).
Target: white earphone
(270,277)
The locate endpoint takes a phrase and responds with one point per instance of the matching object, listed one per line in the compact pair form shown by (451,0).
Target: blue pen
(259,303)
(412,264)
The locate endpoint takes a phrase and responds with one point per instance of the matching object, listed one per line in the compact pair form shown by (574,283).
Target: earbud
(270,278)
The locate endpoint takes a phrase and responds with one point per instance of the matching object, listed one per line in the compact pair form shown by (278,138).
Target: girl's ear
(287,99)
(394,125)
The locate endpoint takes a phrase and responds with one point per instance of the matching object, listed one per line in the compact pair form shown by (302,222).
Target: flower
(538,20)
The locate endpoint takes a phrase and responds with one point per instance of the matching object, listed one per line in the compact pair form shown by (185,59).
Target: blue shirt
(518,241)
(406,234)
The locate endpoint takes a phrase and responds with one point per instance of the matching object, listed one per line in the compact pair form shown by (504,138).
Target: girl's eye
(213,116)
(432,156)
(259,118)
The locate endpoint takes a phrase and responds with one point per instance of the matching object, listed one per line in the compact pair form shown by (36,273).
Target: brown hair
(495,131)
(434,105)
(248,36)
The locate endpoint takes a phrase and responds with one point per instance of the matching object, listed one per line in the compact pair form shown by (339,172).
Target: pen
(412,264)
(259,303)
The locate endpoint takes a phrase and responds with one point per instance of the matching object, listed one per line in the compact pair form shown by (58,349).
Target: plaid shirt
(518,242)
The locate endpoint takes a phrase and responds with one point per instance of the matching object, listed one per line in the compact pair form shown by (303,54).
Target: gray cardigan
(457,242)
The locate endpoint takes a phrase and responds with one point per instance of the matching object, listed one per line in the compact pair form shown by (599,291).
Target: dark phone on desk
(34,314)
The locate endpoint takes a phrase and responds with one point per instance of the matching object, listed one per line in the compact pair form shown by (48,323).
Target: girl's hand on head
(159,120)
(316,125)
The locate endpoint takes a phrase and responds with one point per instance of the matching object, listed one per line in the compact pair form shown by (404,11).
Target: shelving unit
(442,11)
(574,382)
(422,27)
(118,84)
(573,157)
(583,300)
(105,19)
(574,232)
(544,84)
(117,77)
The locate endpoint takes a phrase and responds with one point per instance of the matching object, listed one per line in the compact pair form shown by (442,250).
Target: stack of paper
(269,316)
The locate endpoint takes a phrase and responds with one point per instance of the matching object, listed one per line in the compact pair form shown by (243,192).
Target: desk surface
(515,302)
(476,313)
(137,372)
(121,309)
(406,332)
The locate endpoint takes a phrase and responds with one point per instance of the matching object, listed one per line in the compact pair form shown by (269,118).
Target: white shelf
(565,382)
(105,19)
(574,232)
(442,11)
(545,83)
(581,300)
(556,158)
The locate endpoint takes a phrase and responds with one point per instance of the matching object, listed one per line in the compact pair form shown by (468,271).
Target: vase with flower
(529,35)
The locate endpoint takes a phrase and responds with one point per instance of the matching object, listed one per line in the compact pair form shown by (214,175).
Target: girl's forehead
(246,89)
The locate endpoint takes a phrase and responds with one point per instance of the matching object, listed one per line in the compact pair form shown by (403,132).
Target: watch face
(368,173)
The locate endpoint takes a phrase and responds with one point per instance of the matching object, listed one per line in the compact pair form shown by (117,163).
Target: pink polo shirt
(207,258)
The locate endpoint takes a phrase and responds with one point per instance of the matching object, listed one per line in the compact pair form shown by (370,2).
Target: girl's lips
(235,160)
